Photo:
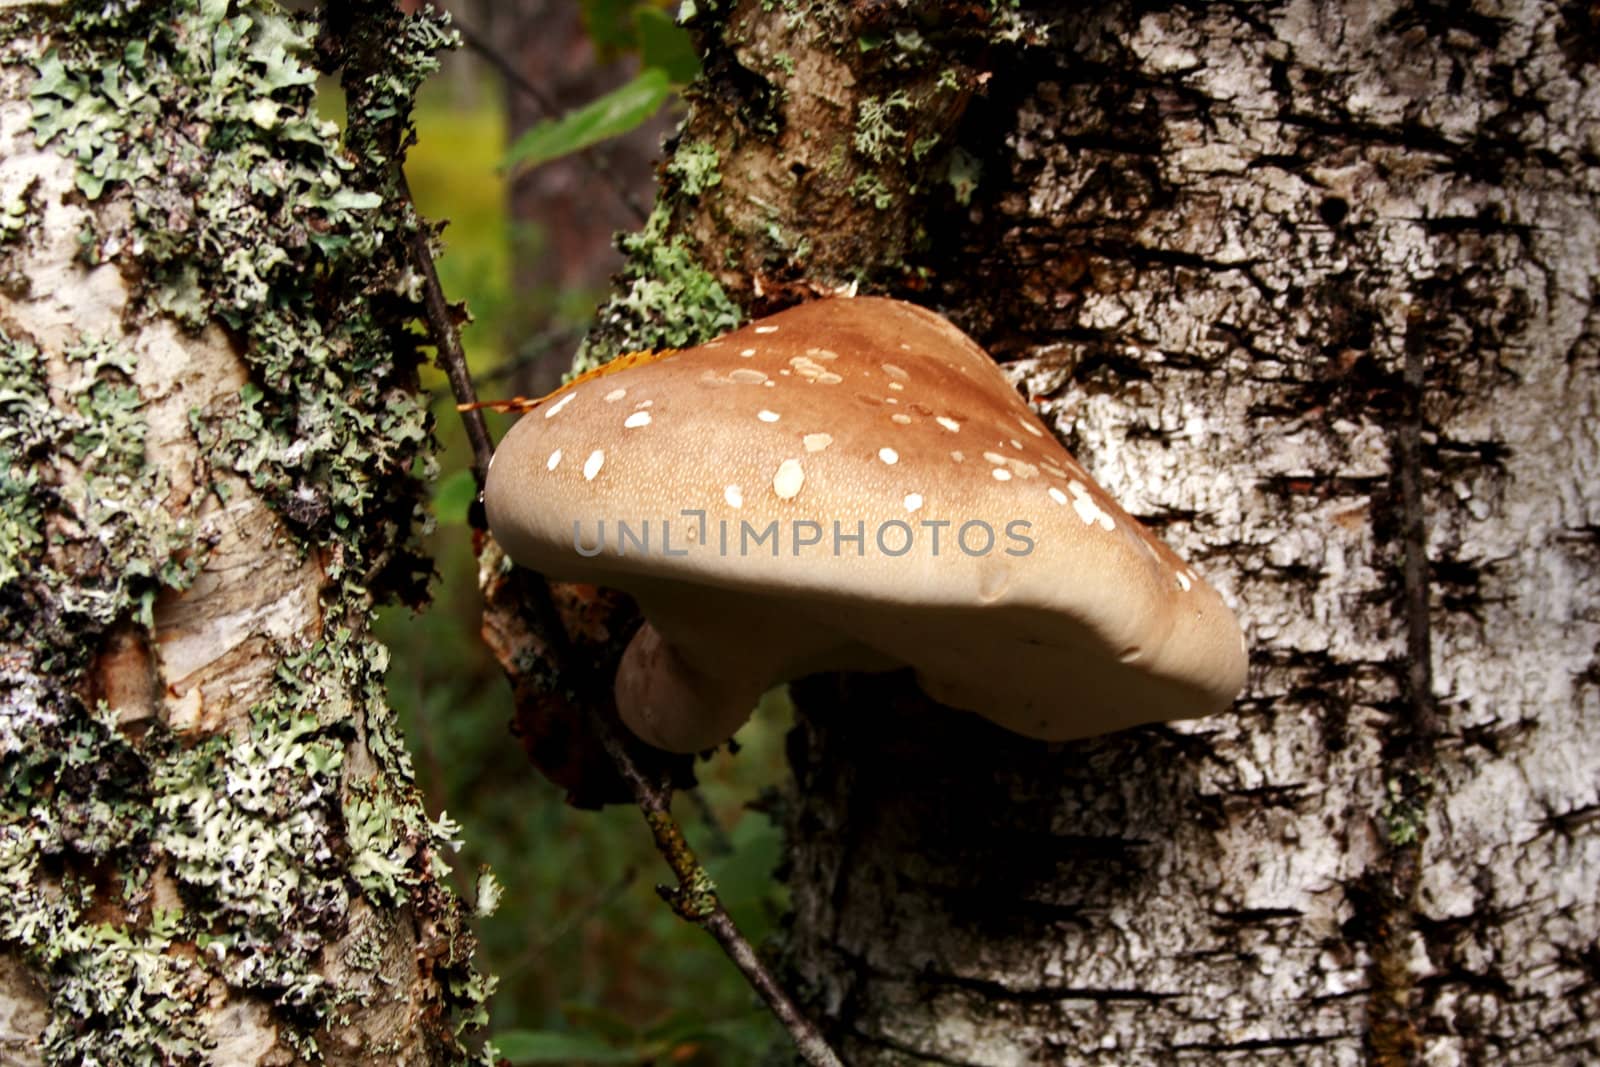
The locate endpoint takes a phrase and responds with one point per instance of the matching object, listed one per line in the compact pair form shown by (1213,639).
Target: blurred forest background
(592,966)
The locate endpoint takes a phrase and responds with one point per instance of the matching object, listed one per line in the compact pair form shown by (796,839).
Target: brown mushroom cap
(923,517)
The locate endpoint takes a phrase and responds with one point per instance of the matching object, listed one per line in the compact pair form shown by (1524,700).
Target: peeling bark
(1311,288)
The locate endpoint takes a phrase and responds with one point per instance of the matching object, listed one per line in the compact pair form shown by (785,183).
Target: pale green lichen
(869,189)
(670,299)
(241,207)
(876,136)
(694,168)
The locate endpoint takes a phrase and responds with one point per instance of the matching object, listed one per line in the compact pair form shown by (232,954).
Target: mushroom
(853,484)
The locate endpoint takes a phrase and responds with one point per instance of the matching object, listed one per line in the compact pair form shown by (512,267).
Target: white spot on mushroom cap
(1087,509)
(1000,474)
(615,395)
(813,371)
(889,456)
(1057,495)
(903,420)
(592,465)
(733,495)
(958,456)
(948,423)
(788,480)
(1183,581)
(636,420)
(896,386)
(816,442)
(996,458)
(766,329)
(913,501)
(644,404)
(551,411)
(554,461)
(748,376)
(768,416)
(747,352)
(897,373)
(1030,427)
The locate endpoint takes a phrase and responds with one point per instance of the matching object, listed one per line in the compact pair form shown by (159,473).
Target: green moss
(242,208)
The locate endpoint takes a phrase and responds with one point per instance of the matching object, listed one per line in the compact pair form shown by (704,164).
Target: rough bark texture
(1311,287)
(211,850)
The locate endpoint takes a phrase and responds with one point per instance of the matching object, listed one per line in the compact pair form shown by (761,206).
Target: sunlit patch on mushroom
(889,456)
(592,465)
(734,496)
(816,442)
(913,501)
(768,416)
(788,480)
(554,461)
(636,420)
(553,409)
(948,423)
(615,395)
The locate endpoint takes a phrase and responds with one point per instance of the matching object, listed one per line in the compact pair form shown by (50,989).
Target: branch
(695,897)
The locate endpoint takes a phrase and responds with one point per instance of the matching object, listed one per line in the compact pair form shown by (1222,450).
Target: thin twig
(596,159)
(447,339)
(695,897)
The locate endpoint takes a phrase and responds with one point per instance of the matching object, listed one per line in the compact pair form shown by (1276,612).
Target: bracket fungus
(853,484)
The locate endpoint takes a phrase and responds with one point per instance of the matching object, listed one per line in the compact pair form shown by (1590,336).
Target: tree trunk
(211,849)
(1311,288)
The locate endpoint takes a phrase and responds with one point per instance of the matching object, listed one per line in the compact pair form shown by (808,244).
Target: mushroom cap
(920,513)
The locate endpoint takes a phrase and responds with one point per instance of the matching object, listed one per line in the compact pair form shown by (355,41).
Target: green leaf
(665,44)
(614,114)
(553,1046)
(453,496)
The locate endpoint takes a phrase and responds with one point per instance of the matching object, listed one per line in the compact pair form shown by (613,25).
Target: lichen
(238,206)
(876,136)
(694,168)
(669,299)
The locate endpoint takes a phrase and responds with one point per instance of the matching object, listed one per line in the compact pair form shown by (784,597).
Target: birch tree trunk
(211,468)
(1311,287)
